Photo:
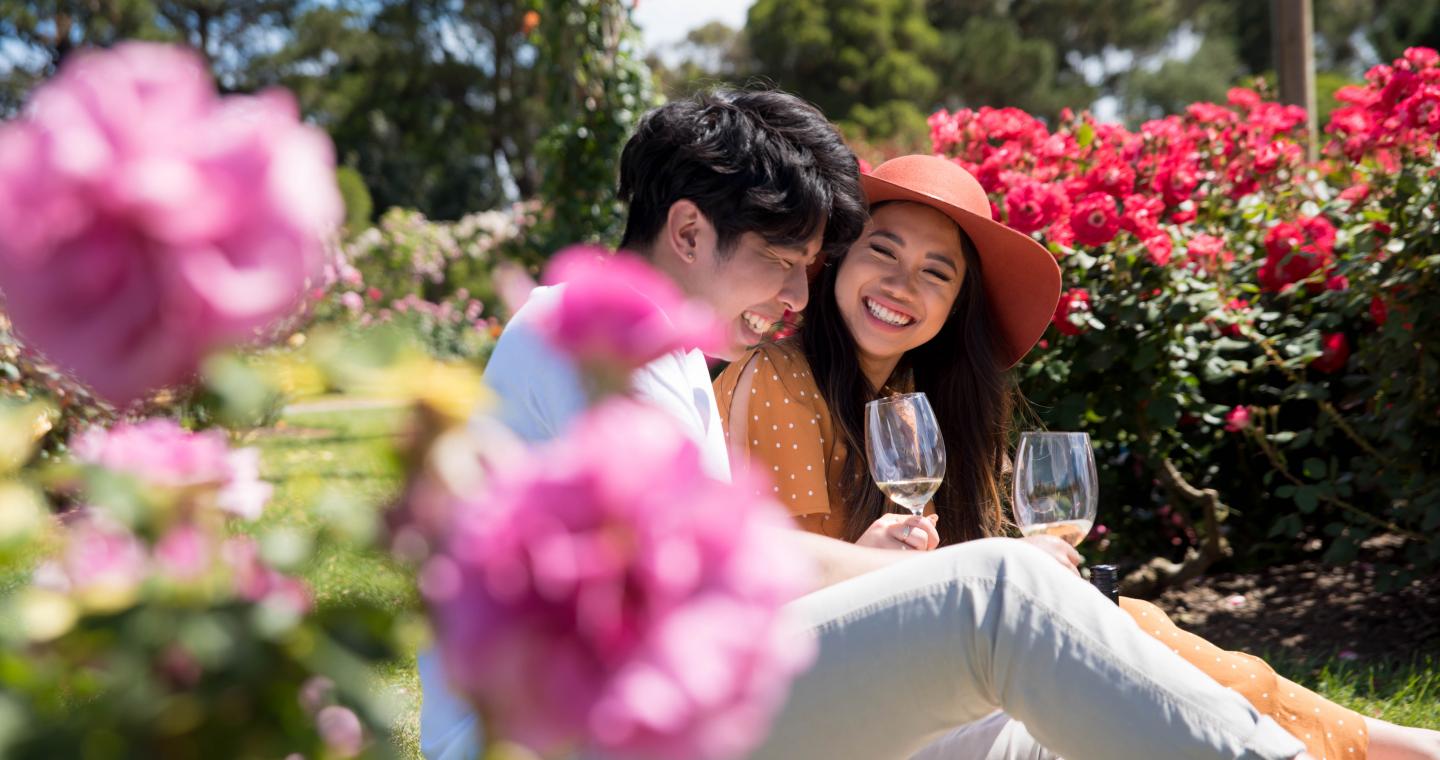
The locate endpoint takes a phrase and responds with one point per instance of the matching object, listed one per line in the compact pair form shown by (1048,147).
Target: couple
(735,196)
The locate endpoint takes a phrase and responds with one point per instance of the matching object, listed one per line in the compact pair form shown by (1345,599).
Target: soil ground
(1310,609)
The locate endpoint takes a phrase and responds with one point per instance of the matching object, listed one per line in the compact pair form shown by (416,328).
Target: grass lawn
(333,452)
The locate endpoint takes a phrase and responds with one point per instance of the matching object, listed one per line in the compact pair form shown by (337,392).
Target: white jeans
(911,654)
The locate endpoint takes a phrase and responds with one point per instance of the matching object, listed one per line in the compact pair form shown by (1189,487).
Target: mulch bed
(1311,609)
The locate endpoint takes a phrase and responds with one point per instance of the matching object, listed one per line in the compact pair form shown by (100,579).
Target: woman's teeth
(888,316)
(758,324)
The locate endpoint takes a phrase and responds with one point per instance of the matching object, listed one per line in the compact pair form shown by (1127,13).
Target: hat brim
(1021,277)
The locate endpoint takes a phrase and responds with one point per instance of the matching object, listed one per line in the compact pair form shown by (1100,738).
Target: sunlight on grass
(1403,690)
(337,460)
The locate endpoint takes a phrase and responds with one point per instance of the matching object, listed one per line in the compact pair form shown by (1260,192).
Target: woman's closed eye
(939,275)
(883,252)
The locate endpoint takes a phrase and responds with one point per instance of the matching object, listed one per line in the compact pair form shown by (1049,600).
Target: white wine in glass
(1056,488)
(907,453)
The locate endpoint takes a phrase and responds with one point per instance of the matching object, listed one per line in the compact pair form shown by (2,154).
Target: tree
(841,54)
(709,54)
(599,88)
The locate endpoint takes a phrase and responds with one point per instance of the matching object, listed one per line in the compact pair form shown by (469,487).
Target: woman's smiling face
(898,283)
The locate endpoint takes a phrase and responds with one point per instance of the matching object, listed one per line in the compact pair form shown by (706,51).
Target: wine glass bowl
(1056,490)
(906,450)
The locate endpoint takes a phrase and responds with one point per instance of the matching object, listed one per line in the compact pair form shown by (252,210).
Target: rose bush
(132,196)
(1259,323)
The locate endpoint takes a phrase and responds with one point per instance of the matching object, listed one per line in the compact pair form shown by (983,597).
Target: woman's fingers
(1062,551)
(915,533)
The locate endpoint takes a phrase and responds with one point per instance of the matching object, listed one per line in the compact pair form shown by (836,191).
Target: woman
(939,298)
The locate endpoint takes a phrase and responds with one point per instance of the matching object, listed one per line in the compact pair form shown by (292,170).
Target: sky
(665,21)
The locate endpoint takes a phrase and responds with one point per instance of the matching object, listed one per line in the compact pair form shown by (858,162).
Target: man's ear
(687,230)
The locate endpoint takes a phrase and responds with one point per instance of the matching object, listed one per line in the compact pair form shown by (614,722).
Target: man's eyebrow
(798,253)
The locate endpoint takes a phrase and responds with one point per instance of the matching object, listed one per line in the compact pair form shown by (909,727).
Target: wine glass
(907,453)
(1056,490)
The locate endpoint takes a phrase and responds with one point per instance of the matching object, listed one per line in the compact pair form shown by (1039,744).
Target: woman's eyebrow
(890,235)
(943,259)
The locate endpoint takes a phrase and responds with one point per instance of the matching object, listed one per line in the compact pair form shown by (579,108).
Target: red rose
(1113,178)
(1095,219)
(1378,311)
(1335,352)
(1422,110)
(1208,252)
(1175,182)
(1158,248)
(1074,300)
(1033,206)
(1295,251)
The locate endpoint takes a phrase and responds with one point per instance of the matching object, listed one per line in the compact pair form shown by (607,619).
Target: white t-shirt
(539,393)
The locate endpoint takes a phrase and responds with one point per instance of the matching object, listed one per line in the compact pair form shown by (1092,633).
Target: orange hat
(1022,280)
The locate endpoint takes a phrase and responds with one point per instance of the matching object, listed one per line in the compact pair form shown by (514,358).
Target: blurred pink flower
(341,731)
(183,553)
(161,453)
(102,564)
(144,221)
(254,581)
(616,313)
(1237,419)
(352,301)
(602,590)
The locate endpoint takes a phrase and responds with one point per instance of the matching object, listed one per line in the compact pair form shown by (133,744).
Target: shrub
(1256,321)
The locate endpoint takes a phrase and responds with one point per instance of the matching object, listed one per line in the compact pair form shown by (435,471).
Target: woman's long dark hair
(958,370)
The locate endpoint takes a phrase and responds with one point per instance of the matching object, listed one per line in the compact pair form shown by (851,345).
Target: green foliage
(600,88)
(358,204)
(840,55)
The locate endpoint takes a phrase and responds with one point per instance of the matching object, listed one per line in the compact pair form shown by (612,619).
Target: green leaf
(1307,499)
(1314,468)
(1084,135)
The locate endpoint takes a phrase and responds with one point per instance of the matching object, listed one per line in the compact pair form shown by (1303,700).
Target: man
(732,195)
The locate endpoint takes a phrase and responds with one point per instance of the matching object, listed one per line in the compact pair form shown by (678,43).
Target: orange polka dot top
(787,432)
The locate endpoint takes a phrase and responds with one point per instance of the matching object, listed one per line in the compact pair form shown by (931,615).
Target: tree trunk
(1159,574)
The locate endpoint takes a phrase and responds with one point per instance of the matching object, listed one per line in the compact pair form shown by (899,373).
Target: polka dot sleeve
(775,421)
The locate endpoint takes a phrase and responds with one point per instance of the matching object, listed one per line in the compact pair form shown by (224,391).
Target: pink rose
(602,591)
(352,302)
(616,313)
(1237,419)
(145,222)
(183,553)
(161,453)
(341,731)
(102,564)
(1095,219)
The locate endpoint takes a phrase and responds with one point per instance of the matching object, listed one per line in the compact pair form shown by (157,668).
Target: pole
(1293,35)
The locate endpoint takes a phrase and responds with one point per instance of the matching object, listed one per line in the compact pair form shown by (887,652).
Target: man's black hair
(760,161)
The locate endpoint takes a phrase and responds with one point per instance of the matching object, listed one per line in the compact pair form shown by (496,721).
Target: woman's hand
(1061,550)
(894,531)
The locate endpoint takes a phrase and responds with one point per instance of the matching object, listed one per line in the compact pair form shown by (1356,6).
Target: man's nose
(796,292)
